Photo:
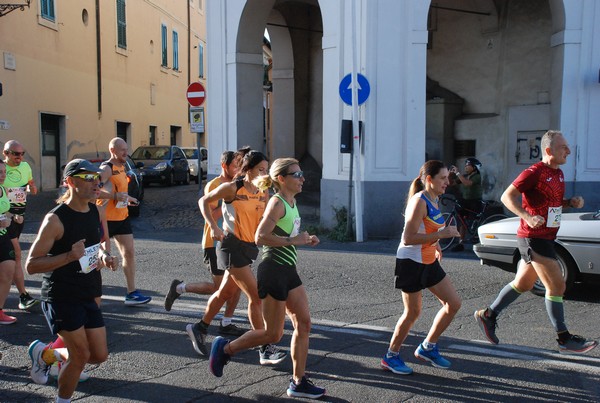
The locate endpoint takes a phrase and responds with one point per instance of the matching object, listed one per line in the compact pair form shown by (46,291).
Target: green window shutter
(163,30)
(175,51)
(121,25)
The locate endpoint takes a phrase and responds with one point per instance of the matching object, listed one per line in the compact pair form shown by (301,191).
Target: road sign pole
(356,153)
(350,187)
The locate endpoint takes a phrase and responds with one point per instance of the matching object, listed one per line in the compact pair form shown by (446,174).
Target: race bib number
(121,204)
(554,214)
(89,261)
(17,195)
(296,228)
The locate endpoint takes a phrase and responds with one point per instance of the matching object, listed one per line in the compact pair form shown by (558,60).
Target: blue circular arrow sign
(364,89)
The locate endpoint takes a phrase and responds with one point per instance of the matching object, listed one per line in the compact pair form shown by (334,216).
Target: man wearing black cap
(68,251)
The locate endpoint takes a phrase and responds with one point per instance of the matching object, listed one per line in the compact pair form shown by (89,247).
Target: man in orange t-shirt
(116,199)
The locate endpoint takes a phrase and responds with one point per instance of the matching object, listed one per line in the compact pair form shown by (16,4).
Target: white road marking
(587,364)
(192,311)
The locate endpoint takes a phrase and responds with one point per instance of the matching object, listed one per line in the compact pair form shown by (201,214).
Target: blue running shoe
(218,357)
(305,388)
(395,365)
(433,356)
(136,298)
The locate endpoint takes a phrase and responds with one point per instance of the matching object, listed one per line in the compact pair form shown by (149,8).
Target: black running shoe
(231,330)
(198,337)
(172,295)
(487,325)
(26,301)
(576,345)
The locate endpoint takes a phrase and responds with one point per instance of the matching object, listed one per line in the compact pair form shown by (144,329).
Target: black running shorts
(276,280)
(7,251)
(70,316)
(15,229)
(411,276)
(544,247)
(119,227)
(210,260)
(233,252)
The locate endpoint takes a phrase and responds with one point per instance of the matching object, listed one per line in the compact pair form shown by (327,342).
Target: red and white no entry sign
(196,94)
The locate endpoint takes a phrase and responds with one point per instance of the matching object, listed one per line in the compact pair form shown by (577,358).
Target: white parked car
(577,247)
(193,157)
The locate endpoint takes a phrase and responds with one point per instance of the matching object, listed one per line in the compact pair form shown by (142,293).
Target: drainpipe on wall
(98,58)
(189,59)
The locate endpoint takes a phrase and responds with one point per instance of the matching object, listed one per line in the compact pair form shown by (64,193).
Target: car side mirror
(139,164)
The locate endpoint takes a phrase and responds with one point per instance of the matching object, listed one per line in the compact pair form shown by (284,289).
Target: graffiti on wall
(529,150)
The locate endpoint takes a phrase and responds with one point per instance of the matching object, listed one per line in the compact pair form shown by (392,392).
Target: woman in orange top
(418,267)
(243,206)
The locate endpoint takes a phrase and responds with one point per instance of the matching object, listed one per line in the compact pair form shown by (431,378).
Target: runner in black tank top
(67,251)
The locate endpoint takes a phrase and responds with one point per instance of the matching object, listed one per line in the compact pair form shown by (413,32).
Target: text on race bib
(17,195)
(89,261)
(554,215)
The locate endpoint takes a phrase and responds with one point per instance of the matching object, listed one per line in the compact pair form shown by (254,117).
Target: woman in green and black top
(279,285)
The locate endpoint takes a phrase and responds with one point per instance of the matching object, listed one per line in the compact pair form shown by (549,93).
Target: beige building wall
(53,68)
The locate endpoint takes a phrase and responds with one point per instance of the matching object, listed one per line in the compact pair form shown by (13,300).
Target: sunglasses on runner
(88,177)
(16,153)
(297,174)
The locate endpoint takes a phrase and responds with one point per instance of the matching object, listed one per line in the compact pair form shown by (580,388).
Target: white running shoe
(271,355)
(39,369)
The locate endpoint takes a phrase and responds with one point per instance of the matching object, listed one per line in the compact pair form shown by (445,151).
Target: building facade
(76,74)
(449,80)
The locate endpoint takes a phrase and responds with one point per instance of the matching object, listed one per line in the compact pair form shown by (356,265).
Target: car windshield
(152,153)
(191,153)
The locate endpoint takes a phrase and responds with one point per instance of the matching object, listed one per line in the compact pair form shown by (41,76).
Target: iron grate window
(121,25)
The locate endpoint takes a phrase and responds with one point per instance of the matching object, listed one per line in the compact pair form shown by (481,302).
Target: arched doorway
(295,33)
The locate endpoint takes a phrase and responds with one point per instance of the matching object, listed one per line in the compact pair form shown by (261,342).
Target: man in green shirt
(471,191)
(18,182)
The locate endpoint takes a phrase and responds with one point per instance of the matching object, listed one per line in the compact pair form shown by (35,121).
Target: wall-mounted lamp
(7,8)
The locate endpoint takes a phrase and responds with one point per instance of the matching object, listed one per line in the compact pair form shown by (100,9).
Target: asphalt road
(354,309)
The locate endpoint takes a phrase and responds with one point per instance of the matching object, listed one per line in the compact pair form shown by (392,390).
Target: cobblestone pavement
(173,207)
(168,208)
(177,207)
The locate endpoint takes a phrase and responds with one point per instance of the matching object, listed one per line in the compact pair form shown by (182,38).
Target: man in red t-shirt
(536,196)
